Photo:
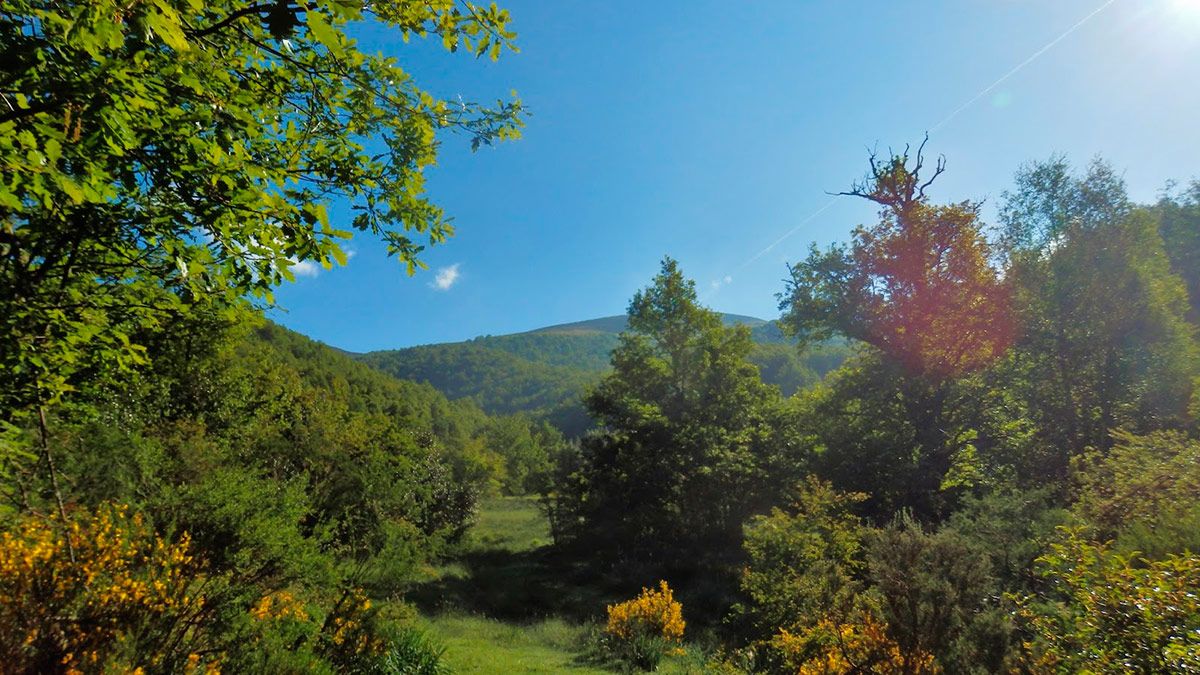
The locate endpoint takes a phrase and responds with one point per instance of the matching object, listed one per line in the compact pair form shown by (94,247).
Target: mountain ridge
(544,372)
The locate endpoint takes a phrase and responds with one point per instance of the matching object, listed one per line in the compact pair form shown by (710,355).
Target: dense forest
(969,444)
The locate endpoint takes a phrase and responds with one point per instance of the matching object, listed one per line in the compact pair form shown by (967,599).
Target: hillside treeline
(546,374)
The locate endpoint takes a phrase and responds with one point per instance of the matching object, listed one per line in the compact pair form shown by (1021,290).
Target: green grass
(477,644)
(506,604)
(511,524)
(496,605)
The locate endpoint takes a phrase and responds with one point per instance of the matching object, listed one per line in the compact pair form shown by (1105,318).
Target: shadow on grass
(517,586)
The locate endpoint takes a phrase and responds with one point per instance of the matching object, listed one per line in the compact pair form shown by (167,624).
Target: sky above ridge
(714,131)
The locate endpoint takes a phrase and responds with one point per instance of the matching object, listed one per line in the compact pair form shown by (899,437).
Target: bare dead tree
(893,183)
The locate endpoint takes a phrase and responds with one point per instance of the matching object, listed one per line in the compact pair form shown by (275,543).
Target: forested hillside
(545,372)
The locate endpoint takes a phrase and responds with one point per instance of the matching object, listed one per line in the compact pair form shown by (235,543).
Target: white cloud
(445,278)
(305,268)
(723,281)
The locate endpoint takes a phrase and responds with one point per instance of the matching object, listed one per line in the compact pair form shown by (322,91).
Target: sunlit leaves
(190,150)
(918,285)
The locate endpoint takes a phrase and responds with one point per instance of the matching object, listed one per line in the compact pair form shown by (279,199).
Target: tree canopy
(169,151)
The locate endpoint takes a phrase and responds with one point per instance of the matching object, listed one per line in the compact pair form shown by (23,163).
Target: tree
(919,288)
(937,595)
(805,563)
(1113,613)
(1143,494)
(161,152)
(1179,223)
(690,440)
(1098,351)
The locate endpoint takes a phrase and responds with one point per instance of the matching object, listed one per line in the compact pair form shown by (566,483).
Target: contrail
(790,232)
(946,120)
(1020,66)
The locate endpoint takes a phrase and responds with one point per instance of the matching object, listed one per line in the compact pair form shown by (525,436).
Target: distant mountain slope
(545,371)
(619,322)
(586,350)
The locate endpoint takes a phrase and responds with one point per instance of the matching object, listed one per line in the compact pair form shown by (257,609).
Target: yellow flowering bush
(861,645)
(279,605)
(653,613)
(99,593)
(642,630)
(351,623)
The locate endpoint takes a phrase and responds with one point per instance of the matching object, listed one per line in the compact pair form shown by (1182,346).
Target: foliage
(1145,493)
(1111,613)
(413,652)
(918,286)
(297,471)
(937,595)
(804,564)
(100,593)
(1012,528)
(691,441)
(545,373)
(195,147)
(498,381)
(860,646)
(1179,223)
(640,630)
(920,289)
(1099,351)
(653,612)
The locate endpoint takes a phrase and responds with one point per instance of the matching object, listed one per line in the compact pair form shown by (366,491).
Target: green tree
(918,286)
(937,594)
(690,441)
(1105,342)
(1143,494)
(1114,613)
(920,289)
(1179,222)
(805,563)
(158,152)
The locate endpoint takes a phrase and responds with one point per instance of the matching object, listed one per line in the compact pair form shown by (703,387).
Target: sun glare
(1185,9)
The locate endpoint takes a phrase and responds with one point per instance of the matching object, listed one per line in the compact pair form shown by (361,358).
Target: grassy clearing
(510,524)
(504,604)
(498,606)
(477,644)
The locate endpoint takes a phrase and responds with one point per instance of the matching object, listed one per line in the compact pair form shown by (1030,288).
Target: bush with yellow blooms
(859,645)
(642,630)
(100,593)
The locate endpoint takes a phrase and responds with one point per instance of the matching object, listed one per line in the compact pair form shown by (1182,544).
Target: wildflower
(653,613)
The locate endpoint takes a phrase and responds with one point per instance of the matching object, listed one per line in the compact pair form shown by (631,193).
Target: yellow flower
(651,613)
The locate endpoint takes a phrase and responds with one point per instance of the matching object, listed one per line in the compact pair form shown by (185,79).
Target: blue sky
(709,130)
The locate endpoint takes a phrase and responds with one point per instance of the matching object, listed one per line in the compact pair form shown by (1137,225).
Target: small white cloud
(305,268)
(445,278)
(723,281)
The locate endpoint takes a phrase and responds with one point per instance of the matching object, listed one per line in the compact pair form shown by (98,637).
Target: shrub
(1113,613)
(99,593)
(412,652)
(642,630)
(861,645)
(801,563)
